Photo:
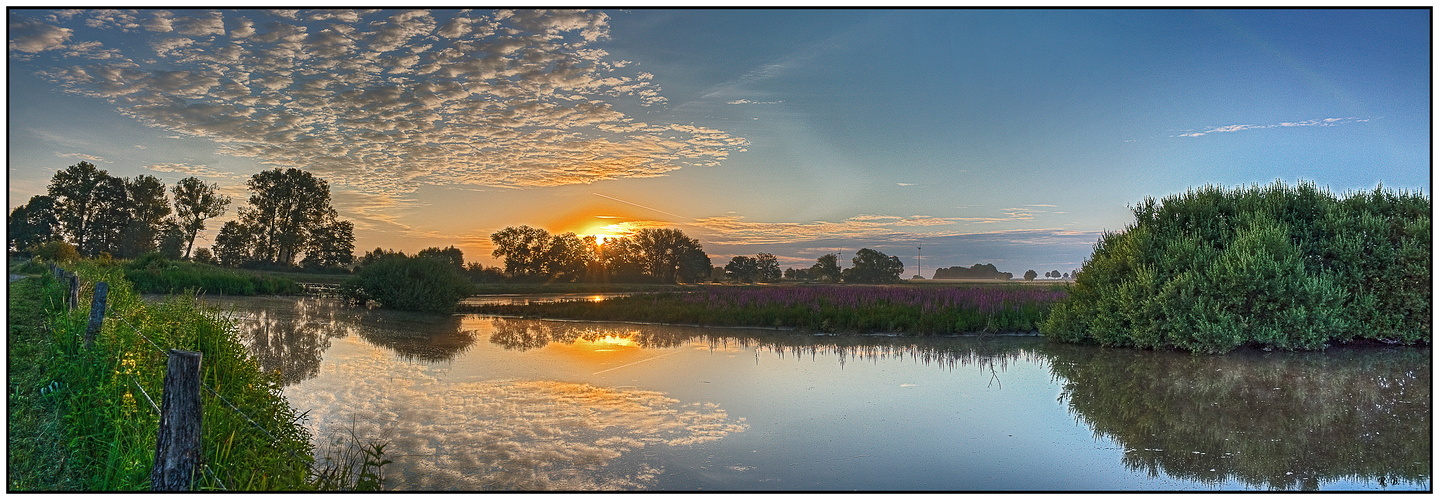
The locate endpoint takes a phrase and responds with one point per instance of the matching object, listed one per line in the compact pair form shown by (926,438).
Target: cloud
(1321,122)
(385,101)
(503,434)
(747,101)
(83,156)
(905,183)
(189,170)
(34,36)
(735,230)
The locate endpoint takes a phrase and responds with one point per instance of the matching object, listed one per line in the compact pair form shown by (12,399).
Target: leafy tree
(767,268)
(523,249)
(32,224)
(742,269)
(110,202)
(73,191)
(669,256)
(332,246)
(286,208)
(172,240)
(567,256)
(148,209)
(1054,274)
(826,268)
(195,203)
(450,254)
(873,266)
(232,245)
(373,256)
(1030,275)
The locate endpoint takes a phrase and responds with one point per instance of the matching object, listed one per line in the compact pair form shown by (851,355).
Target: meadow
(911,310)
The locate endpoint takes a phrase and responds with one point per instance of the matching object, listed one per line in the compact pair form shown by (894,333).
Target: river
(472,402)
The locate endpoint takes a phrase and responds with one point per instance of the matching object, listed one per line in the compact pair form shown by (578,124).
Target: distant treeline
(1288,267)
(978,271)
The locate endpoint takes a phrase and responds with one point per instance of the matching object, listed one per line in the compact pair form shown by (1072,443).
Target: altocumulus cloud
(379,100)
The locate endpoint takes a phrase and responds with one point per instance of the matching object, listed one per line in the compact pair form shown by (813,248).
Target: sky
(944,137)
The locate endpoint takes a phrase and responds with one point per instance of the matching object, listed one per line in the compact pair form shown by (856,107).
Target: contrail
(642,206)
(671,353)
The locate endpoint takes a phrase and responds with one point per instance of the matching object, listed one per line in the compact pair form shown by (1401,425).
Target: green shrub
(1289,267)
(410,284)
(153,273)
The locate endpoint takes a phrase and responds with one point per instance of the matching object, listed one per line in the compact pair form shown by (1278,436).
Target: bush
(153,273)
(56,251)
(1274,266)
(410,283)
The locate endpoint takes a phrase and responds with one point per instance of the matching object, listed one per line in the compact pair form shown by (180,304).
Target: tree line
(88,212)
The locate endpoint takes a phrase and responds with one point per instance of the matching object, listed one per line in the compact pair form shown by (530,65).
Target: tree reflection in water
(1268,420)
(290,336)
(291,340)
(1278,421)
(948,352)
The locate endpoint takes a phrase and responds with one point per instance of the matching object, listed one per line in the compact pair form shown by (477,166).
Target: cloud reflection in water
(504,434)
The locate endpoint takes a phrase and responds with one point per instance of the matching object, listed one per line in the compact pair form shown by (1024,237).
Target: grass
(82,418)
(155,274)
(907,309)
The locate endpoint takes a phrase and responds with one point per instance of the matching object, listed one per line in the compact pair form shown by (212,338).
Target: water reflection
(290,336)
(1268,420)
(525,334)
(508,434)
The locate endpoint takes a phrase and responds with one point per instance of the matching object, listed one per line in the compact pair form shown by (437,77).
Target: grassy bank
(82,418)
(155,274)
(910,310)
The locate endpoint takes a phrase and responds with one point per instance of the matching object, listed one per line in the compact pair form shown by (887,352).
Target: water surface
(481,403)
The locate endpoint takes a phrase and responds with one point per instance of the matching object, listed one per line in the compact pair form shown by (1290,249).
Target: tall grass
(912,310)
(152,273)
(94,407)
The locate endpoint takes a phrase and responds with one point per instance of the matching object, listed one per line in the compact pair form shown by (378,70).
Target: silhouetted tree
(331,246)
(826,268)
(742,269)
(32,224)
(523,249)
(767,268)
(450,254)
(148,209)
(286,208)
(873,266)
(195,202)
(1030,275)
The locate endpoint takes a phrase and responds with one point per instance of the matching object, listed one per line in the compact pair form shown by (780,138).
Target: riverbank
(826,309)
(85,417)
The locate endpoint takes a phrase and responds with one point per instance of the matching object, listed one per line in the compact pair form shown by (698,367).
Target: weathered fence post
(97,312)
(177,448)
(74,281)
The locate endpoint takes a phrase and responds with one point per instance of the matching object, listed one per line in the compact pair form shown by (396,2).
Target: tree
(1030,275)
(768,268)
(196,202)
(148,211)
(826,268)
(203,256)
(449,254)
(32,224)
(73,191)
(232,245)
(670,256)
(286,207)
(172,240)
(523,249)
(110,203)
(743,269)
(331,246)
(1054,274)
(873,266)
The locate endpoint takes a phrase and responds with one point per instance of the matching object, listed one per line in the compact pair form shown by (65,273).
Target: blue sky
(1010,136)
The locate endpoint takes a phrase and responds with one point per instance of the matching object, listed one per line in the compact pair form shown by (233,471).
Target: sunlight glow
(608,343)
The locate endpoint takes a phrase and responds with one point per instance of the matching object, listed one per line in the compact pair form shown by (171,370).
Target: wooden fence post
(74,281)
(177,448)
(97,312)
